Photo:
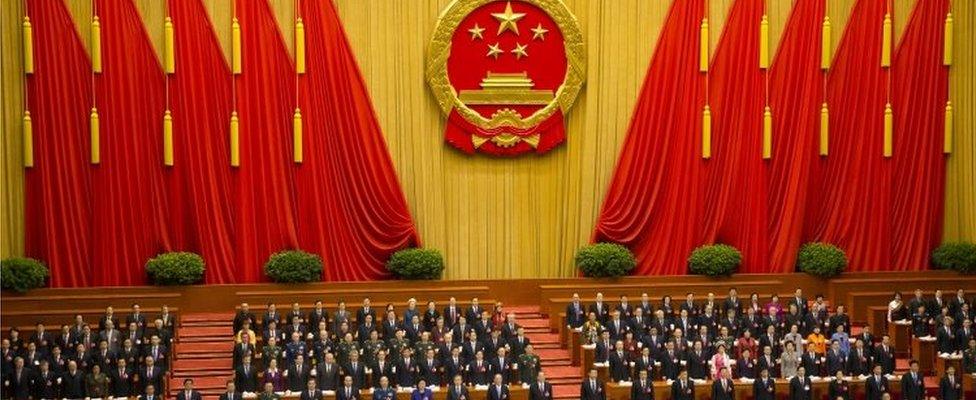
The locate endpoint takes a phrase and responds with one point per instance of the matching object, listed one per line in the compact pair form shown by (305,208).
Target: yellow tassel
(947,41)
(824,129)
(826,52)
(28,140)
(28,46)
(703,46)
(235,141)
(707,133)
(297,136)
(886,41)
(170,45)
(947,145)
(889,126)
(299,46)
(764,42)
(168,139)
(235,46)
(767,138)
(96,45)
(96,155)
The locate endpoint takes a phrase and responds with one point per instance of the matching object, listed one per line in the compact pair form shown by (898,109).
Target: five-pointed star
(540,32)
(476,32)
(508,19)
(494,50)
(519,50)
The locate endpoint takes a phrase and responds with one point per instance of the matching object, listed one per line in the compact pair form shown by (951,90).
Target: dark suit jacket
(156,380)
(839,389)
(194,395)
(315,395)
(327,380)
(493,393)
(224,396)
(45,387)
(539,391)
(642,390)
(912,389)
(801,389)
(20,388)
(454,394)
(764,389)
(950,392)
(686,393)
(873,389)
(341,393)
(73,387)
(723,393)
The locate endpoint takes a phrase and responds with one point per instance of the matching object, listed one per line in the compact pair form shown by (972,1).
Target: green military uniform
(269,396)
(272,353)
(420,349)
(344,349)
(396,348)
(528,365)
(969,361)
(370,348)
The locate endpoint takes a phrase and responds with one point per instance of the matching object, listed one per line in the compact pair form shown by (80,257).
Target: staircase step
(565,391)
(534,323)
(212,332)
(545,346)
(203,347)
(522,309)
(203,364)
(538,338)
(561,372)
(202,383)
(553,354)
(227,317)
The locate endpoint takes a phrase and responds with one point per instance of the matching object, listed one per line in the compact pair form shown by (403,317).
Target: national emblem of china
(505,72)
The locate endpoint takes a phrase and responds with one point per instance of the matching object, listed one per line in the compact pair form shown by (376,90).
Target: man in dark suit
(150,374)
(592,388)
(347,391)
(311,392)
(356,369)
(950,387)
(876,385)
(946,337)
(801,387)
(317,315)
(122,379)
(500,364)
(478,370)
(619,363)
(723,388)
(406,369)
(859,361)
(246,376)
(366,309)
(575,314)
(912,385)
(231,393)
(19,382)
(683,388)
(643,387)
(297,374)
(73,382)
(732,302)
(498,390)
(645,362)
(799,301)
(604,346)
(884,354)
(150,394)
(456,390)
(600,308)
(244,315)
(540,389)
(451,313)
(327,373)
(670,361)
(453,364)
(188,393)
(764,388)
(381,368)
(45,382)
(473,311)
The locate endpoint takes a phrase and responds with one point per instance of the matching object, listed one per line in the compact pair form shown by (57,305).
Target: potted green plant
(714,260)
(604,260)
(416,264)
(294,266)
(175,268)
(821,259)
(958,256)
(21,274)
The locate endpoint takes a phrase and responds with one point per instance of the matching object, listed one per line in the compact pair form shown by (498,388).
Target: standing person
(231,392)
(384,391)
(839,388)
(592,388)
(188,393)
(801,387)
(457,390)
(912,386)
(498,389)
(683,388)
(876,385)
(723,388)
(764,388)
(643,387)
(540,389)
(950,387)
(311,392)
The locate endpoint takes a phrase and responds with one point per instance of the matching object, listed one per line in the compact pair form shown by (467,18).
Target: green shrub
(294,266)
(175,268)
(821,259)
(22,274)
(416,263)
(959,257)
(714,260)
(602,260)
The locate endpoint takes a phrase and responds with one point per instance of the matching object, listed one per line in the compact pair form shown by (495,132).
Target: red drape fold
(350,205)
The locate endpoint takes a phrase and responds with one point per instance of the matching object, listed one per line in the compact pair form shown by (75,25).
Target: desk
(941,364)
(924,352)
(901,338)
(575,349)
(662,390)
(517,392)
(587,355)
(968,383)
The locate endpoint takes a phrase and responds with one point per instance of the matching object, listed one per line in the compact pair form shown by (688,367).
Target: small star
(476,32)
(540,32)
(519,50)
(494,50)
(508,19)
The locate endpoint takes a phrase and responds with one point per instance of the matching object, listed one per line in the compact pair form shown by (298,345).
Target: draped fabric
(58,187)
(884,212)
(654,196)
(98,224)
(352,216)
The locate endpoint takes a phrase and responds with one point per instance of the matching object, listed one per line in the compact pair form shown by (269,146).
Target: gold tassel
(826,53)
(886,41)
(296,124)
(96,45)
(96,155)
(703,46)
(28,140)
(170,43)
(889,126)
(764,42)
(767,138)
(947,41)
(707,133)
(168,139)
(299,46)
(235,46)
(824,128)
(28,46)
(235,141)
(947,145)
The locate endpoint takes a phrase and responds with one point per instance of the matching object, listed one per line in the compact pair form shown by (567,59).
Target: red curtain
(884,212)
(920,91)
(58,210)
(347,189)
(654,196)
(98,224)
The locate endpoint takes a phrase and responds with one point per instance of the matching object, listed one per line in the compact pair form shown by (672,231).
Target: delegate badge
(505,72)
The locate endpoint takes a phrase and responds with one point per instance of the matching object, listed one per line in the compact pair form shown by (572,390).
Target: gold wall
(507,218)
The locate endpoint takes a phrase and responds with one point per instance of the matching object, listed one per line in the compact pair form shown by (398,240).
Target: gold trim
(440,48)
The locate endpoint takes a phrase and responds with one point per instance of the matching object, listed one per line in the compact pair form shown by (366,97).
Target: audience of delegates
(118,356)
